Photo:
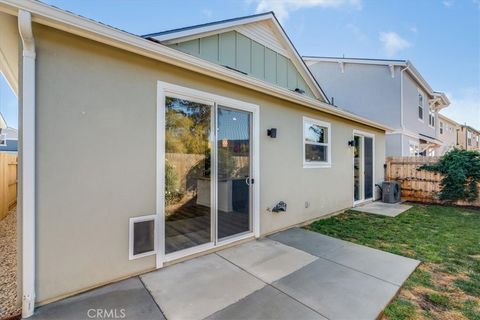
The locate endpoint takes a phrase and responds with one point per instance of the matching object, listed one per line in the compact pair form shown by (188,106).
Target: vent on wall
(142,235)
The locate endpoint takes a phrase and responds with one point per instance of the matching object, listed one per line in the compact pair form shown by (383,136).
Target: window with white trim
(414,148)
(469,136)
(441,127)
(3,140)
(317,143)
(420,106)
(142,237)
(431,118)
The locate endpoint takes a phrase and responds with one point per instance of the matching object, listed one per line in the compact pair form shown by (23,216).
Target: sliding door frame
(164,90)
(362,135)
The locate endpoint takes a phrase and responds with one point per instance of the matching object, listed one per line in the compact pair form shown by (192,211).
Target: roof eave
(80,26)
(191,32)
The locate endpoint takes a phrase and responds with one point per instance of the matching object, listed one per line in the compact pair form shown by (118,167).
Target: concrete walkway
(295,274)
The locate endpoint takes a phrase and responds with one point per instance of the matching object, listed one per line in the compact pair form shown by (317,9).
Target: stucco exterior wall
(448,136)
(367,90)
(393,145)
(410,108)
(94,173)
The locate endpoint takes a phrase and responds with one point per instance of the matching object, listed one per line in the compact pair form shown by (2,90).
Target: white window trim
(423,106)
(432,114)
(3,137)
(132,221)
(416,144)
(318,164)
(441,128)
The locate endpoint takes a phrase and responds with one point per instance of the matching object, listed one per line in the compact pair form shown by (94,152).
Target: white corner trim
(342,66)
(392,70)
(27,157)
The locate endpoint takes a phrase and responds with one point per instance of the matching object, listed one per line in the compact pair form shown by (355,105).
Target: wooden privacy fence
(418,185)
(8,183)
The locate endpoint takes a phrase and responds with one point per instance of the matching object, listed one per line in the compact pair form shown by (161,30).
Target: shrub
(461,175)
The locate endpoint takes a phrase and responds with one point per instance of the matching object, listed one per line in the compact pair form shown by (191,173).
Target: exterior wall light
(272,133)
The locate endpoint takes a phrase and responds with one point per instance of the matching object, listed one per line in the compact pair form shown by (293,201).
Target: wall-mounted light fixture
(272,133)
(351,143)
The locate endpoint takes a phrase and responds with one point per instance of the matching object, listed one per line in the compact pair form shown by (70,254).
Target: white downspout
(402,124)
(28,162)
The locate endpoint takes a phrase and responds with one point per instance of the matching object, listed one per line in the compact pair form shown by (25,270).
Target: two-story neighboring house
(447,133)
(468,138)
(391,92)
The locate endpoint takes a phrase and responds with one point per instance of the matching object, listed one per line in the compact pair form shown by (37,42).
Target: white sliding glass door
(363,167)
(206,172)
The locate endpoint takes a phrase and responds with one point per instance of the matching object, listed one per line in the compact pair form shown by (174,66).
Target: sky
(440,37)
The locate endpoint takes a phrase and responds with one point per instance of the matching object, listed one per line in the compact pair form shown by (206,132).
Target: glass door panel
(233,172)
(188,183)
(357,169)
(368,167)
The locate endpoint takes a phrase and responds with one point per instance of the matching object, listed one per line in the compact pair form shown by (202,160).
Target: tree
(461,175)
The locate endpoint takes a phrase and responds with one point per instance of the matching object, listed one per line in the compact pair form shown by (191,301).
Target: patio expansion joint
(360,271)
(151,296)
(270,285)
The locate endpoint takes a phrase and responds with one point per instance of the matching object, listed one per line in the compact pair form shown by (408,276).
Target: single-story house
(232,139)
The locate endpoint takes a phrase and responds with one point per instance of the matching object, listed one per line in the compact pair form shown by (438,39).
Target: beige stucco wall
(96,136)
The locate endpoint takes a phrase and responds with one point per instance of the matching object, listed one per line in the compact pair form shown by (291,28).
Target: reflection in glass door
(188,183)
(233,172)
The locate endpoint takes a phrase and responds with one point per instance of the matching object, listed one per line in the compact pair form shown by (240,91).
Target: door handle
(249,181)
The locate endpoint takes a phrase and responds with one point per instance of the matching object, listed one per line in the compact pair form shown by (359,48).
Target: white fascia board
(212,28)
(80,26)
(311,60)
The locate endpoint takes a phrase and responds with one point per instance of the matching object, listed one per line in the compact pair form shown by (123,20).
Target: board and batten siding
(234,50)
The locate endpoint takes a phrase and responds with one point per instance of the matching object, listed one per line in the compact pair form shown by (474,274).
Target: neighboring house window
(441,127)
(3,140)
(317,143)
(420,106)
(414,148)
(431,118)
(469,136)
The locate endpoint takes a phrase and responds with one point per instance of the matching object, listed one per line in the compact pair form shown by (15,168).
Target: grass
(447,241)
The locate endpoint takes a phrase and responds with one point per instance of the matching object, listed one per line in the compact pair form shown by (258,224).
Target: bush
(461,175)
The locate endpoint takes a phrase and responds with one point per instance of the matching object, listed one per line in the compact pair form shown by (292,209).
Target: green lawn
(447,241)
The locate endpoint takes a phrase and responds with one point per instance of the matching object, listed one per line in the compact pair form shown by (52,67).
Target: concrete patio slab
(126,299)
(383,265)
(338,292)
(267,259)
(382,208)
(312,242)
(267,303)
(197,288)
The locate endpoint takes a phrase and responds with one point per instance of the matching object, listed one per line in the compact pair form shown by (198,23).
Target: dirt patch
(9,304)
